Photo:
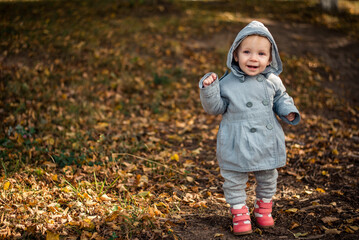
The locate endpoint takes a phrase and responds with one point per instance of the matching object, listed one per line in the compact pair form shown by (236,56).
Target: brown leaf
(329,219)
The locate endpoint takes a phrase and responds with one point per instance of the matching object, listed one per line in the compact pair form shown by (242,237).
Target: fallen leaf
(104,197)
(175,157)
(101,125)
(321,190)
(218,235)
(54,177)
(329,219)
(292,210)
(189,179)
(52,236)
(332,231)
(7,185)
(294,225)
(299,234)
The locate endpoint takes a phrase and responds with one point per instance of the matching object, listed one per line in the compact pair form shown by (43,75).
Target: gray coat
(250,137)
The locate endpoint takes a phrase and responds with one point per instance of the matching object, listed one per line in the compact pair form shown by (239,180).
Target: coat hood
(255,28)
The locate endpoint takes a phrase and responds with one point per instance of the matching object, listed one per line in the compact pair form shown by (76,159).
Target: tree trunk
(329,5)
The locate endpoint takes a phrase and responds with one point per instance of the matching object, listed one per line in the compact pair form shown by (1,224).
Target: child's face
(253,54)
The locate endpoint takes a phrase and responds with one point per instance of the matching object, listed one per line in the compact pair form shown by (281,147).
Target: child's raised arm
(210,94)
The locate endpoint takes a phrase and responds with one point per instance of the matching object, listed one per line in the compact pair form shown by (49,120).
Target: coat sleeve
(283,103)
(211,99)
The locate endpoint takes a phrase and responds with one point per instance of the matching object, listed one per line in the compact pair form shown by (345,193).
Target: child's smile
(252,67)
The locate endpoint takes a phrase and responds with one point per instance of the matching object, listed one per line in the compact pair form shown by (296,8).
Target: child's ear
(235,55)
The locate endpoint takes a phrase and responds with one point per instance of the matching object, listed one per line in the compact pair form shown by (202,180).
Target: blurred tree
(329,5)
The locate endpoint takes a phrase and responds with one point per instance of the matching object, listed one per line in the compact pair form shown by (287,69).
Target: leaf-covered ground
(103,136)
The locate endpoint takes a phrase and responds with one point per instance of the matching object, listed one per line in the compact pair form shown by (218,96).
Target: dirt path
(342,56)
(335,49)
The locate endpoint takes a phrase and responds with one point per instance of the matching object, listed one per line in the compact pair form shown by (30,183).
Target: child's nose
(253,57)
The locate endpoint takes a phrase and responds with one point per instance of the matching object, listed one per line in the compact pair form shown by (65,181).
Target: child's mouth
(252,67)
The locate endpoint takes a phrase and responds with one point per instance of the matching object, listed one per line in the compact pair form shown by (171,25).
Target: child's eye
(262,54)
(246,51)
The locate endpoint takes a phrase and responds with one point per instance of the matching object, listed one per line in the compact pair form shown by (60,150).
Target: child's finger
(214,77)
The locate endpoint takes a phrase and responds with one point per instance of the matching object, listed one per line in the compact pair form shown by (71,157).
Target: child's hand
(290,116)
(208,81)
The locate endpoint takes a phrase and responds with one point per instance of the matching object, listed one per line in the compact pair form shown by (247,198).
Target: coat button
(253,130)
(265,102)
(269,126)
(259,79)
(249,104)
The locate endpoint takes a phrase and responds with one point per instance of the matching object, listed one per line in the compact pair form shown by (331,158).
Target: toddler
(250,138)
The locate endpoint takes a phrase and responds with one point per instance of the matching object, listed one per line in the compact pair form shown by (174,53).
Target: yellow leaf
(66,189)
(19,138)
(101,125)
(292,210)
(259,231)
(299,234)
(47,72)
(163,118)
(321,190)
(52,236)
(349,230)
(85,195)
(54,177)
(151,211)
(87,223)
(7,185)
(175,157)
(144,194)
(75,145)
(161,204)
(74,223)
(355,228)
(335,152)
(50,141)
(181,28)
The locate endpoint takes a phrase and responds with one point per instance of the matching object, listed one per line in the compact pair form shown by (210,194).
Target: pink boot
(262,213)
(241,221)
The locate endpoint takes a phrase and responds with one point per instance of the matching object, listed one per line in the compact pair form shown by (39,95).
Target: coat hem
(252,169)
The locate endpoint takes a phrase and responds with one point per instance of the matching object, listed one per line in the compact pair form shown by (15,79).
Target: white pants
(235,183)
